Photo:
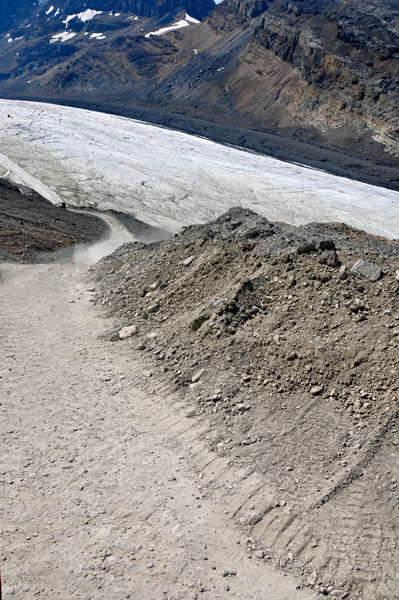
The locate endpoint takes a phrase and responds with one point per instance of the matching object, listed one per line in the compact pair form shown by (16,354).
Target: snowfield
(169,179)
(183,23)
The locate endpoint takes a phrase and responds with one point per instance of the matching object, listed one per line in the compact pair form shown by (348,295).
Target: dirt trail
(102,485)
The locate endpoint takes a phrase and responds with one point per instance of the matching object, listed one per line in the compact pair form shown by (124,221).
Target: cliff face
(346,56)
(325,70)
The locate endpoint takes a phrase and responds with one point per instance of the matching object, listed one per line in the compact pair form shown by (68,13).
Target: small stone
(312,578)
(360,318)
(227,588)
(9,591)
(189,260)
(254,518)
(197,376)
(154,286)
(292,356)
(316,390)
(342,274)
(225,573)
(147,374)
(366,270)
(259,554)
(25,588)
(149,565)
(397,275)
(128,332)
(153,308)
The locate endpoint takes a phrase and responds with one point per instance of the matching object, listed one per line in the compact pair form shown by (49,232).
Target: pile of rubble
(286,340)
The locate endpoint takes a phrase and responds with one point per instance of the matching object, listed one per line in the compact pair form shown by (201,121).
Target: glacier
(169,179)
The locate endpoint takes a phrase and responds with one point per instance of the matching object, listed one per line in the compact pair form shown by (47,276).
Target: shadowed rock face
(325,71)
(13,11)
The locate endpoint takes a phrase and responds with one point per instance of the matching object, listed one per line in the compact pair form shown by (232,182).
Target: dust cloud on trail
(88,254)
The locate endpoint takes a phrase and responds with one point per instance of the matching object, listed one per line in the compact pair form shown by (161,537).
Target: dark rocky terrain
(31,228)
(320,74)
(289,356)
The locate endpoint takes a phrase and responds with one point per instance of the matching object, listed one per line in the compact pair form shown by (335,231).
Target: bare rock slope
(31,227)
(285,346)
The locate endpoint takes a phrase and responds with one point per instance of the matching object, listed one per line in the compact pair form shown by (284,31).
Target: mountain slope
(320,70)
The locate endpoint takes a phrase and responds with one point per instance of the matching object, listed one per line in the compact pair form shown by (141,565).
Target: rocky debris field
(30,226)
(284,341)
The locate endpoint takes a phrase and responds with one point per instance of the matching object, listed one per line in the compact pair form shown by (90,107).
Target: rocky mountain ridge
(325,72)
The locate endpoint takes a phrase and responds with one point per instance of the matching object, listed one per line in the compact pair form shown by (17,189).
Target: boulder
(128,332)
(306,248)
(327,245)
(317,390)
(329,258)
(366,270)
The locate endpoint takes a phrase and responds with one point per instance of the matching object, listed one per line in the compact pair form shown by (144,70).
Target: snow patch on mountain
(163,30)
(179,25)
(87,15)
(191,19)
(62,37)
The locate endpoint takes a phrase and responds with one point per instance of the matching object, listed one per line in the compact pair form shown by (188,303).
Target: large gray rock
(128,332)
(327,245)
(306,248)
(329,258)
(366,270)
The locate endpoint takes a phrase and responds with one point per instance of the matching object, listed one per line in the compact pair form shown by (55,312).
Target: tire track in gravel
(107,492)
